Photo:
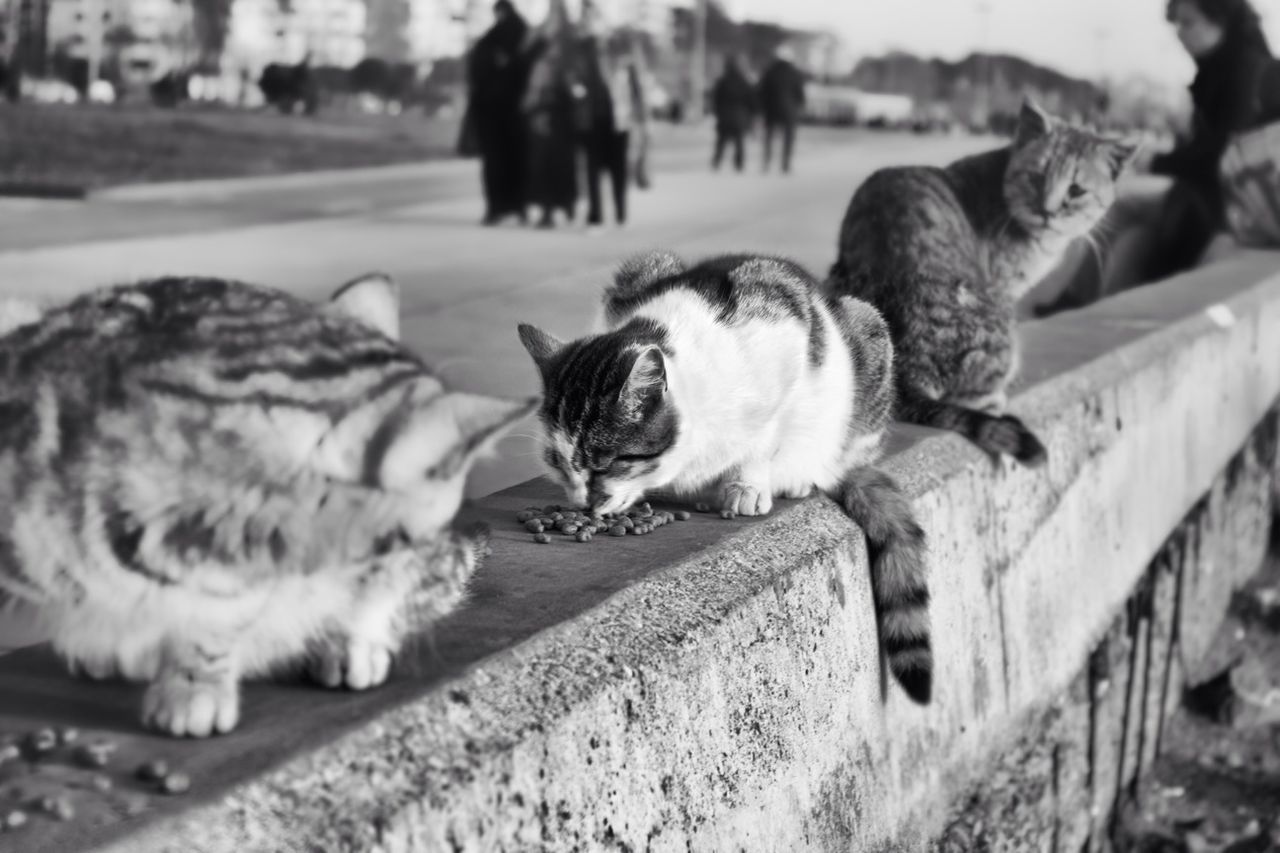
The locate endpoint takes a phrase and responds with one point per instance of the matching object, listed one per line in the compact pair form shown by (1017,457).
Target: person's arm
(1233,109)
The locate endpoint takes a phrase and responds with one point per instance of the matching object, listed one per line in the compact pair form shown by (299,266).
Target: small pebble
(683,515)
(152,771)
(42,741)
(15,819)
(728,514)
(175,783)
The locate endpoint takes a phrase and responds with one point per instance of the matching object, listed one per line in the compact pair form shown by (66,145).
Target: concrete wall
(719,688)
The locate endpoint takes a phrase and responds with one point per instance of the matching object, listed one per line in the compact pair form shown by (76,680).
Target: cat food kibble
(640,520)
(58,807)
(68,735)
(152,771)
(101,783)
(175,783)
(15,819)
(42,741)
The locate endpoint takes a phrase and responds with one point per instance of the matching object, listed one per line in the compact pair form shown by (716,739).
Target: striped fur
(946,253)
(203,479)
(737,376)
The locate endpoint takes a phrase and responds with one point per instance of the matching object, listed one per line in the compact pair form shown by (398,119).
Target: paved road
(465,287)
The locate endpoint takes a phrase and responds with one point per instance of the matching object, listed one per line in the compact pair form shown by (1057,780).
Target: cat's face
(1061,179)
(608,417)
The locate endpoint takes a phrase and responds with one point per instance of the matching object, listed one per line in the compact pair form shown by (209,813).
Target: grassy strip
(96,146)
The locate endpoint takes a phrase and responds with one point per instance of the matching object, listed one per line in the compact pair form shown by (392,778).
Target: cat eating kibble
(736,374)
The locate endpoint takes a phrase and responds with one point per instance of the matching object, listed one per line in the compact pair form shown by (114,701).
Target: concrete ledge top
(556,637)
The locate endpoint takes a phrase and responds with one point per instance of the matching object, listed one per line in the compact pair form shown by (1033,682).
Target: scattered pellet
(524,515)
(68,735)
(59,807)
(617,530)
(152,771)
(101,783)
(533,525)
(15,819)
(583,536)
(42,741)
(96,754)
(175,783)
(9,752)
(541,538)
(683,515)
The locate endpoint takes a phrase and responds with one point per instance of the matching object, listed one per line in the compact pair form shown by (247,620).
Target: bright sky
(1063,34)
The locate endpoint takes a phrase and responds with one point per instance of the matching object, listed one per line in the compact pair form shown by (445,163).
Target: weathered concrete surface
(1075,763)
(720,689)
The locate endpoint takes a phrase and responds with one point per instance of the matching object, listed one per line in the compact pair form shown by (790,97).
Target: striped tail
(993,433)
(896,547)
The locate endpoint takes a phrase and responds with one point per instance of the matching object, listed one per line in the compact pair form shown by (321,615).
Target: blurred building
(23,30)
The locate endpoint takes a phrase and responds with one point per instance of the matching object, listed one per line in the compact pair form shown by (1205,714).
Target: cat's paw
(745,499)
(183,707)
(349,662)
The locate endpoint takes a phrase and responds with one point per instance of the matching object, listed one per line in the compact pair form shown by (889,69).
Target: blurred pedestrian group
(547,103)
(778,98)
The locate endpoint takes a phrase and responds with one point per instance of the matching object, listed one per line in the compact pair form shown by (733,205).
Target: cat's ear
(1119,154)
(646,383)
(373,299)
(1033,123)
(441,439)
(541,346)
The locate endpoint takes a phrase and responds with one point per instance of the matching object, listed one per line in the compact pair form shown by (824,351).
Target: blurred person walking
(781,96)
(733,99)
(497,75)
(1154,236)
(614,105)
(549,107)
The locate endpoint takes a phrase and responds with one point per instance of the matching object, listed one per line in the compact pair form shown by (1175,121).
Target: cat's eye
(642,457)
(1075,191)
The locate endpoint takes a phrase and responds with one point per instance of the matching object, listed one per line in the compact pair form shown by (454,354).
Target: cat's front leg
(400,594)
(747,489)
(196,692)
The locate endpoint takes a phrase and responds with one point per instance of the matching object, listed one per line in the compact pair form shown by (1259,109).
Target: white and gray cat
(203,480)
(737,374)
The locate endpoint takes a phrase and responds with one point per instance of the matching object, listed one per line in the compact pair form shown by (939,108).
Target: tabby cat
(737,374)
(946,253)
(203,480)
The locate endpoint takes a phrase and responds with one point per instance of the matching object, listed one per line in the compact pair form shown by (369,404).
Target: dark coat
(781,93)
(1226,99)
(734,101)
(498,71)
(553,142)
